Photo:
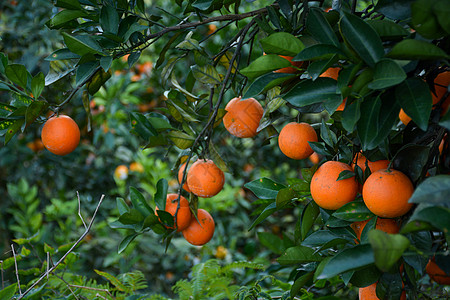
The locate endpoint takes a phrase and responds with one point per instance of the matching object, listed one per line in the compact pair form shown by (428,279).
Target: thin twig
(68,286)
(1,270)
(79,210)
(67,253)
(17,269)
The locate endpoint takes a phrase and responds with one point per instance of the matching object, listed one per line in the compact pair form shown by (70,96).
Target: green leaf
(63,17)
(387,248)
(322,90)
(17,74)
(362,38)
(353,211)
(309,216)
(8,292)
(85,71)
(69,4)
(133,58)
(266,82)
(181,139)
(62,54)
(126,241)
(368,126)
(395,9)
(202,4)
(122,206)
(411,159)
(388,29)
(351,115)
(206,74)
(437,217)
(82,44)
(327,135)
(300,282)
(34,110)
(387,118)
(284,196)
(349,259)
(270,209)
(387,73)
(410,49)
(320,29)
(142,126)
(442,10)
(318,51)
(109,19)
(282,43)
(265,64)
(271,241)
(217,159)
(414,97)
(324,239)
(37,84)
(139,202)
(298,255)
(424,21)
(264,188)
(12,129)
(113,280)
(161,193)
(166,218)
(433,190)
(131,217)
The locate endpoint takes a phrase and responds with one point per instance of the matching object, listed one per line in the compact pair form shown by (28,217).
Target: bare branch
(17,269)
(79,210)
(67,253)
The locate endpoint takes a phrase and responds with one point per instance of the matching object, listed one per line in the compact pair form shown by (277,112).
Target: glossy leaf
(387,73)
(142,126)
(297,255)
(320,29)
(85,71)
(126,241)
(368,125)
(264,188)
(308,217)
(351,115)
(265,64)
(318,51)
(353,211)
(133,58)
(268,210)
(322,90)
(347,260)
(266,82)
(161,193)
(387,29)
(395,9)
(282,43)
(109,19)
(17,74)
(139,202)
(63,17)
(284,196)
(82,44)
(37,84)
(387,248)
(414,97)
(321,238)
(410,49)
(362,38)
(433,190)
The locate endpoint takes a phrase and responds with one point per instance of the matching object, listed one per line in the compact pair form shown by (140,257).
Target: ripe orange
(436,273)
(342,105)
(221,252)
(329,193)
(205,179)
(184,213)
(60,135)
(212,28)
(243,117)
(404,117)
(441,83)
(386,193)
(297,64)
(293,140)
(200,233)
(369,293)
(331,73)
(180,177)
(136,167)
(121,172)
(374,166)
(314,158)
(386,225)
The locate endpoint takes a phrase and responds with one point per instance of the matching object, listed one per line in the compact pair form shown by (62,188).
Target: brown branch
(17,269)
(67,253)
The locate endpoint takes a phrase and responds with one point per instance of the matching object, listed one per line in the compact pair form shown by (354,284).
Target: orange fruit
(60,135)
(327,191)
(200,233)
(136,167)
(331,73)
(386,193)
(386,225)
(370,293)
(373,165)
(184,212)
(180,178)
(441,83)
(205,179)
(212,28)
(342,105)
(221,252)
(145,68)
(404,117)
(243,117)
(436,273)
(297,64)
(121,172)
(293,140)
(314,158)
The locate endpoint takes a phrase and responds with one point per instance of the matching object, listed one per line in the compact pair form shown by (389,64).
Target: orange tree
(388,59)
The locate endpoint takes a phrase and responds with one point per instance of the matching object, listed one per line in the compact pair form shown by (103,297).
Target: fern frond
(241,265)
(184,289)
(134,281)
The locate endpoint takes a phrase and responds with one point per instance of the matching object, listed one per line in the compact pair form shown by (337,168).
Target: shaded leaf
(387,248)
(282,43)
(264,188)
(297,255)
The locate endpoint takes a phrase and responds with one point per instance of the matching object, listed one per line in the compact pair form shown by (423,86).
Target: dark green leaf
(85,71)
(319,51)
(69,4)
(166,218)
(362,38)
(353,211)
(365,277)
(139,202)
(282,43)
(442,10)
(266,82)
(284,196)
(347,260)
(327,135)
(265,64)
(63,17)
(424,21)
(300,282)
(351,115)
(368,126)
(202,4)
(437,217)
(387,73)
(271,241)
(109,19)
(433,190)
(37,84)
(271,208)
(316,68)
(133,58)
(319,27)
(309,216)
(320,148)
(82,44)
(395,9)
(161,193)
(8,292)
(142,126)
(410,49)
(390,286)
(126,241)
(34,110)
(414,97)
(297,255)
(105,62)
(17,74)
(388,29)
(387,248)
(264,188)
(131,217)
(322,238)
